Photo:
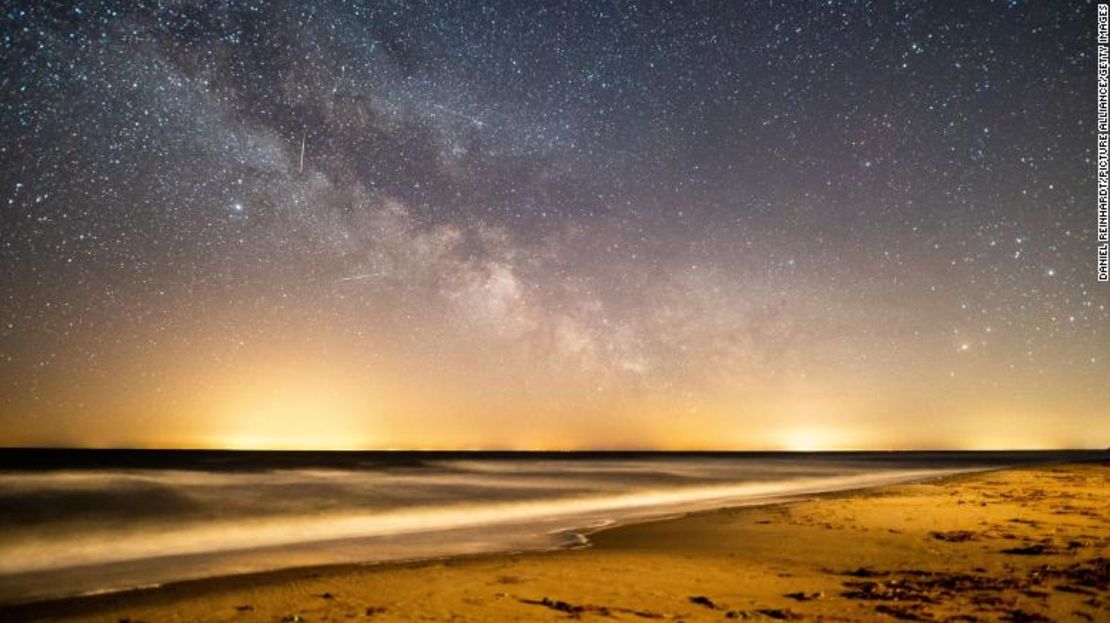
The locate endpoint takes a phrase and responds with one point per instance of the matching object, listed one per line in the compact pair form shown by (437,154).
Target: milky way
(534,224)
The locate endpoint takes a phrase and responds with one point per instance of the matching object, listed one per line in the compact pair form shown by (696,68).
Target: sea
(82,522)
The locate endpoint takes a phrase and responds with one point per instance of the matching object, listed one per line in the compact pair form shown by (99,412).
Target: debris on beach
(955,536)
(866,572)
(1037,549)
(907,594)
(702,600)
(575,611)
(781,614)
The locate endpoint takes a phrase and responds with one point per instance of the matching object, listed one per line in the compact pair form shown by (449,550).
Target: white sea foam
(79,531)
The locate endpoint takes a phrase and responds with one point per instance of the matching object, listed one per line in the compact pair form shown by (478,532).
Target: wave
(69,530)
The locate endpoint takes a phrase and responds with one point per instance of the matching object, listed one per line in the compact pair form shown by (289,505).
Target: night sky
(530,224)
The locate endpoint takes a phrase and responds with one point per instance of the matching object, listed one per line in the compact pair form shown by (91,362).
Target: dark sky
(538,224)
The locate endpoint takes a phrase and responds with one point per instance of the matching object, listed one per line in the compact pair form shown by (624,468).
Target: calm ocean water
(77,522)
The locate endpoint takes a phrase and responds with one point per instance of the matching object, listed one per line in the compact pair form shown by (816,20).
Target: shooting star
(361,277)
(302,152)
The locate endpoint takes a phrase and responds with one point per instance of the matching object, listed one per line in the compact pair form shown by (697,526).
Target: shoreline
(93,606)
(579,536)
(573,531)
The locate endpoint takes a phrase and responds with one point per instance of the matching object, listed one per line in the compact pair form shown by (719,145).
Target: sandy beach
(1027,544)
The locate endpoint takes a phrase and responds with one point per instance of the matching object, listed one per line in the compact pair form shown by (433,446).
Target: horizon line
(534,450)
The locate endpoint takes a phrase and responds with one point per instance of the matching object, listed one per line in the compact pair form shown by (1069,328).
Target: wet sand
(1028,544)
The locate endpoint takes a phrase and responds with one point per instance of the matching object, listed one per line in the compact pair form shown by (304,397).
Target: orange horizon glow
(277,400)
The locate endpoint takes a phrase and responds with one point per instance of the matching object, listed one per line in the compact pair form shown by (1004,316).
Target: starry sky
(532,224)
